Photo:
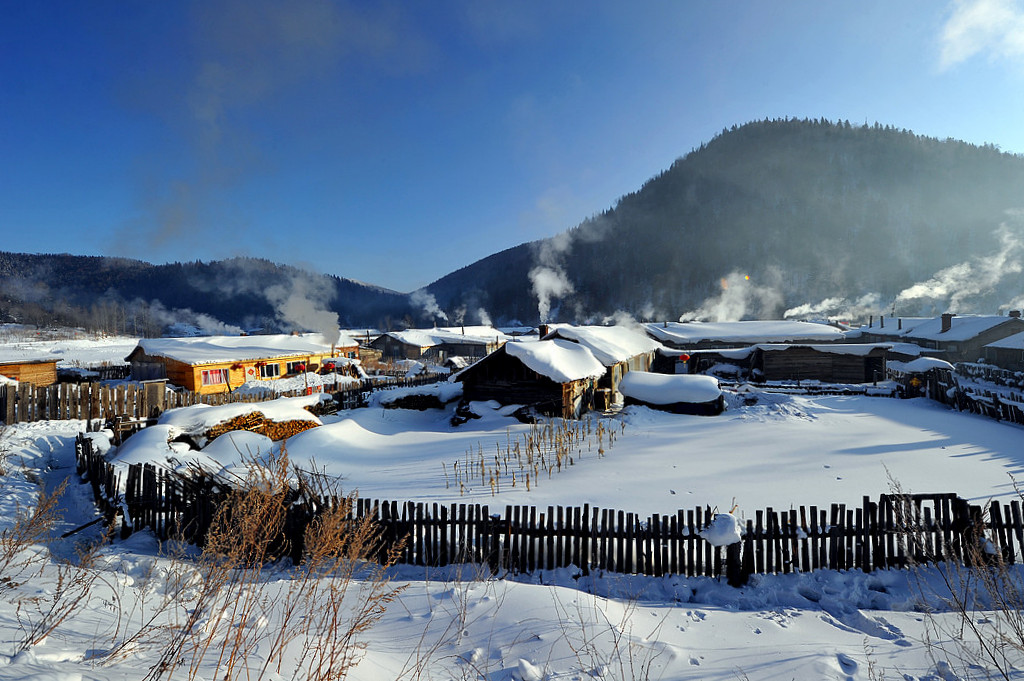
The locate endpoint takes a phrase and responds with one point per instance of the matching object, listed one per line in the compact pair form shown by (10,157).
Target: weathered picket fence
(895,532)
(25,403)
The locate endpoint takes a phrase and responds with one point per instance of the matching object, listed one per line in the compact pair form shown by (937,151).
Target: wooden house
(618,348)
(210,364)
(35,370)
(829,363)
(555,377)
(1006,353)
(962,338)
(438,344)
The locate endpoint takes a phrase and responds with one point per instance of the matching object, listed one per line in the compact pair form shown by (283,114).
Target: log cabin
(554,377)
(212,364)
(618,348)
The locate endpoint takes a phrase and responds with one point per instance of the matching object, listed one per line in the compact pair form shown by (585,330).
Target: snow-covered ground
(458,623)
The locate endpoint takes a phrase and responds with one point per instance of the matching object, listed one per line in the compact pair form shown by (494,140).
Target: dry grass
(241,583)
(548,448)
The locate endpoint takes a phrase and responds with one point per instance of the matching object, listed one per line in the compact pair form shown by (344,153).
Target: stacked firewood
(256,422)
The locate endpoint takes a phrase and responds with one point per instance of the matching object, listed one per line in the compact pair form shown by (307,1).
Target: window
(215,377)
(296,367)
(270,370)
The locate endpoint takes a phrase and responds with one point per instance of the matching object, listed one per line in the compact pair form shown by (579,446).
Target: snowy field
(778,451)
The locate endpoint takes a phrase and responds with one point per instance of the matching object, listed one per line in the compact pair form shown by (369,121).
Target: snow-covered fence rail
(896,531)
(25,403)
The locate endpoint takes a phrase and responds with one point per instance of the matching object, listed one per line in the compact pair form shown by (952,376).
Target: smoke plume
(426,302)
(740,298)
(951,287)
(548,275)
(302,302)
(839,308)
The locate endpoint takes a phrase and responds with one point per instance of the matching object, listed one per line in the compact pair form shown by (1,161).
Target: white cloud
(993,27)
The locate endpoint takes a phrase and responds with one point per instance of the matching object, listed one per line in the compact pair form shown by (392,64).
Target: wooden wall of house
(806,364)
(508,381)
(36,373)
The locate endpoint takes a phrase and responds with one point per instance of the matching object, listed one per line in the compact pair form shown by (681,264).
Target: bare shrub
(319,608)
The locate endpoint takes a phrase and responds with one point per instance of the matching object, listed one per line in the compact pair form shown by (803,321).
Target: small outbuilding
(555,377)
(679,394)
(35,370)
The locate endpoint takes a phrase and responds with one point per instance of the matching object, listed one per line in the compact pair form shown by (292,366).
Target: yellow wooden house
(213,364)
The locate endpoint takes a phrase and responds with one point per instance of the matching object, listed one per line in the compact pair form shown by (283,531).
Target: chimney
(899,324)
(542,330)
(881,322)
(947,321)
(1015,314)
(871,321)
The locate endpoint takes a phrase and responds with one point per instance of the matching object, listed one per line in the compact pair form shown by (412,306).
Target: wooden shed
(211,364)
(831,363)
(555,377)
(37,371)
(438,344)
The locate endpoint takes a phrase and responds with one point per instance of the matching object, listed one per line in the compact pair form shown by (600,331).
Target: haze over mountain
(797,216)
(772,218)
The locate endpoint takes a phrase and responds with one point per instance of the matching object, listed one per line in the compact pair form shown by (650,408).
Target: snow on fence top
(560,360)
(669,388)
(213,349)
(691,333)
(609,344)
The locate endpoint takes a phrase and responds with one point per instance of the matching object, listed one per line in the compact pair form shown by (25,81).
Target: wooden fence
(25,402)
(894,532)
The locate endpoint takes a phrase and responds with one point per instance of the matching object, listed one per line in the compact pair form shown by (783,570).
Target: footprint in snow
(847,663)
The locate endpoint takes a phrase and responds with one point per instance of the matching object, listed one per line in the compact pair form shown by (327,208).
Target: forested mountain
(813,218)
(227,296)
(808,210)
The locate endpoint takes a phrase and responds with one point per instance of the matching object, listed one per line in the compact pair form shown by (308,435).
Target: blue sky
(395,142)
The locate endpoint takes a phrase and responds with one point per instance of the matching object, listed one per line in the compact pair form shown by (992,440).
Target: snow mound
(669,388)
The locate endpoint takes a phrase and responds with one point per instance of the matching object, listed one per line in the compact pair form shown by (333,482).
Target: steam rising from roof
(740,298)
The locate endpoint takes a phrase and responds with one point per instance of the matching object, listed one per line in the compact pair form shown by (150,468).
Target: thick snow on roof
(428,338)
(669,388)
(610,344)
(211,349)
(560,360)
(1014,342)
(962,327)
(894,326)
(919,365)
(857,349)
(690,333)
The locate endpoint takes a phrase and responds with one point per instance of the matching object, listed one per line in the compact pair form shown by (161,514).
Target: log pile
(256,422)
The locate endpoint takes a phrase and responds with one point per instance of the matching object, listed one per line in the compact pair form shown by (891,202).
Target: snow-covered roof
(894,326)
(780,331)
(920,365)
(1014,342)
(560,360)
(669,388)
(213,349)
(962,327)
(856,349)
(610,344)
(428,338)
(15,356)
